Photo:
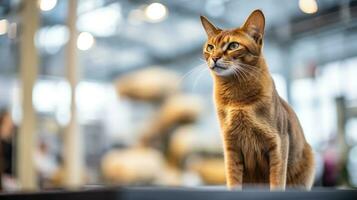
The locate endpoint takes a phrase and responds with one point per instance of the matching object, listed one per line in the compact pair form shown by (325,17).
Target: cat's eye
(209,48)
(233,45)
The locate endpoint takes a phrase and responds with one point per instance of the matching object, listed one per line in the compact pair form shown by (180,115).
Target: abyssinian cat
(263,141)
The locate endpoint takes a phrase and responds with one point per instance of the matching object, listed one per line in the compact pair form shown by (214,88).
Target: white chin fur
(226,72)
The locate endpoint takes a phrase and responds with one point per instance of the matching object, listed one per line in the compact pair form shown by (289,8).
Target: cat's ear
(254,25)
(210,29)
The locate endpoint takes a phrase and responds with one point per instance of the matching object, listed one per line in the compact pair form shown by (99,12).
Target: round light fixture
(156,12)
(85,41)
(308,6)
(47,5)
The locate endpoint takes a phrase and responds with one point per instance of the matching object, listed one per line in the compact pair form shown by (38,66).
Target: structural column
(73,148)
(28,74)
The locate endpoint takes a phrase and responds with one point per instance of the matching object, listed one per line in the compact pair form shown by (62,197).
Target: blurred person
(46,164)
(7,136)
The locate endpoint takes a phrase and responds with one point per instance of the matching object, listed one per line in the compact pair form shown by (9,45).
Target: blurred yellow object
(182,142)
(137,166)
(181,108)
(169,176)
(177,109)
(187,142)
(211,170)
(58,179)
(150,84)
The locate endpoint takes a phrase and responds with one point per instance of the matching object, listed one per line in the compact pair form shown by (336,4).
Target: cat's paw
(277,188)
(234,187)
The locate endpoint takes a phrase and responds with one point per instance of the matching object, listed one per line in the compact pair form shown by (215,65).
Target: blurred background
(116,92)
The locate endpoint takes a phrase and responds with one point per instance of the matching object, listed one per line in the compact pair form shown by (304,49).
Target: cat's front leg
(233,166)
(232,153)
(277,164)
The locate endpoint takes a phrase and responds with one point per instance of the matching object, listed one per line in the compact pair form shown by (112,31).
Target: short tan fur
(264,143)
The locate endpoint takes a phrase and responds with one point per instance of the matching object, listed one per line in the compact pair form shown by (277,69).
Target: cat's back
(295,130)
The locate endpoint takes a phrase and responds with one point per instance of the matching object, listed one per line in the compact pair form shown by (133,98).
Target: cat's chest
(242,132)
(241,126)
(237,119)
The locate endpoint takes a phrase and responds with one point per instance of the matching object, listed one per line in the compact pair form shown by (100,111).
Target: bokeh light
(47,5)
(3,26)
(156,12)
(308,6)
(85,41)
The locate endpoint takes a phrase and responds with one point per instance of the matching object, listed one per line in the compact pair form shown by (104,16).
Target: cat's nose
(215,59)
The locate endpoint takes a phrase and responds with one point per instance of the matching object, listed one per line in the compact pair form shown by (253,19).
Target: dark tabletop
(204,193)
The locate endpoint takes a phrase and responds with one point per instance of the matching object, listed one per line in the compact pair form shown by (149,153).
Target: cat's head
(235,51)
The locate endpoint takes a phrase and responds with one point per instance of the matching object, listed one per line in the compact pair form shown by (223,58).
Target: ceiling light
(85,41)
(47,5)
(155,12)
(3,26)
(308,6)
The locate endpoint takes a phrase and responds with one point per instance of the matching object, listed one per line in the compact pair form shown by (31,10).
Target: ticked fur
(263,141)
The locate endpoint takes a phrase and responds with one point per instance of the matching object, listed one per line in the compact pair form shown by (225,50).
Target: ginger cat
(263,140)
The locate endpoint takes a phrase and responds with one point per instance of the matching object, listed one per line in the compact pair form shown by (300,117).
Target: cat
(263,141)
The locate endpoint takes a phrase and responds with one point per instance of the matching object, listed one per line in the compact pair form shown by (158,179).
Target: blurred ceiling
(124,41)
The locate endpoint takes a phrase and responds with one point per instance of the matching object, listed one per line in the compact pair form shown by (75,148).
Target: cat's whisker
(245,73)
(241,67)
(235,73)
(242,75)
(192,71)
(198,78)
(249,68)
(255,56)
(249,72)
(241,71)
(252,71)
(203,60)
(237,62)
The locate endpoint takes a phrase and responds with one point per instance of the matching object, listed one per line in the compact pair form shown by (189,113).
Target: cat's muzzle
(218,68)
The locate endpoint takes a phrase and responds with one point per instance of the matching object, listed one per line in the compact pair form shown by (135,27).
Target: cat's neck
(237,90)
